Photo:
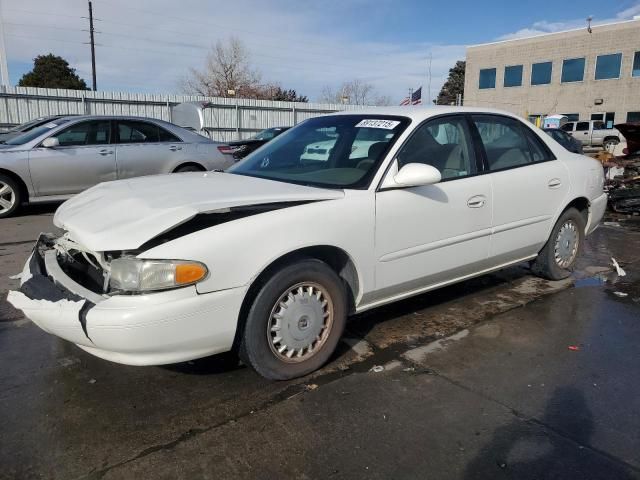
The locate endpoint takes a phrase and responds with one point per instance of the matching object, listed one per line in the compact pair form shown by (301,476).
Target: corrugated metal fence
(228,119)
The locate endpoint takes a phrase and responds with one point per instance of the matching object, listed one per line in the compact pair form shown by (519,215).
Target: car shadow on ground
(362,324)
(37,209)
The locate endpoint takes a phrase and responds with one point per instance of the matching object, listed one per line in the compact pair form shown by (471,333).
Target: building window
(633,116)
(635,71)
(513,76)
(571,117)
(488,78)
(609,119)
(572,70)
(541,73)
(608,66)
(606,118)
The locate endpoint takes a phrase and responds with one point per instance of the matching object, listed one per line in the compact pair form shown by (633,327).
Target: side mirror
(416,175)
(51,142)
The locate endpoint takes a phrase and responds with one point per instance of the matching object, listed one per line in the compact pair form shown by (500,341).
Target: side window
(538,149)
(85,133)
(167,136)
(444,143)
(137,132)
(567,127)
(582,127)
(506,142)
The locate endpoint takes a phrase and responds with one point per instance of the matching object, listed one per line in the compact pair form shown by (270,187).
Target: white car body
(394,243)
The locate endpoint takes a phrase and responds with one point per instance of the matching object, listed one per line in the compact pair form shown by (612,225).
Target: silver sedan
(65,156)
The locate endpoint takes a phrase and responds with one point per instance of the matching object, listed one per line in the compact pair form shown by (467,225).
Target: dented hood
(124,214)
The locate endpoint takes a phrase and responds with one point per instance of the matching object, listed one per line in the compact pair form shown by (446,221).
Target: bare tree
(227,72)
(354,92)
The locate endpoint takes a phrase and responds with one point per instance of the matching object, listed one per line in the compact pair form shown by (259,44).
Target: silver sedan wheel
(566,247)
(300,322)
(7,197)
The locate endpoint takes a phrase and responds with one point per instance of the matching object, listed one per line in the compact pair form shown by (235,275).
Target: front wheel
(558,257)
(295,321)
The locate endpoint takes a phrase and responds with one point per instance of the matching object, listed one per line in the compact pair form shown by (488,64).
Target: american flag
(416,98)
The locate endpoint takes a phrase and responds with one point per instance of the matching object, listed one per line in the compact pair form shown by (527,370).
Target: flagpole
(429,82)
(410,96)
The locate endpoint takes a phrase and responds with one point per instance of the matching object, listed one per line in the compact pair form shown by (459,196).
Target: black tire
(258,341)
(546,264)
(11,193)
(188,168)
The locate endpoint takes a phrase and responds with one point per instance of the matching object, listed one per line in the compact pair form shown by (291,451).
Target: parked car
(241,148)
(593,133)
(70,154)
(564,139)
(321,151)
(25,127)
(273,255)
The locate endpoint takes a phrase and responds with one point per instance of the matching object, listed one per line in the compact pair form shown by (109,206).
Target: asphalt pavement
(503,376)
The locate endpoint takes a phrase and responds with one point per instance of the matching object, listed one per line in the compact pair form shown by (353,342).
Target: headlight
(139,275)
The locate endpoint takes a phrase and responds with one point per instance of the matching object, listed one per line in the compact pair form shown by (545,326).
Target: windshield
(336,151)
(35,133)
(267,134)
(23,127)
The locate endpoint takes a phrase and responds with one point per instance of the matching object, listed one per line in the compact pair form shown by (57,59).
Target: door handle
(554,183)
(476,201)
(173,148)
(104,151)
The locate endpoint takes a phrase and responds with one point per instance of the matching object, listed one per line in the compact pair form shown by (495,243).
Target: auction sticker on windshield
(377,123)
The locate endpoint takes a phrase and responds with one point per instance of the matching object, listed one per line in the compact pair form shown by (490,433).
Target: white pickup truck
(593,133)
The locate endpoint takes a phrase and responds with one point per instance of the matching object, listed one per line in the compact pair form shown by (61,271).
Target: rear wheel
(295,321)
(558,257)
(188,168)
(610,143)
(10,196)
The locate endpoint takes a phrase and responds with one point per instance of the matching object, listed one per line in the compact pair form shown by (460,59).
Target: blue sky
(149,45)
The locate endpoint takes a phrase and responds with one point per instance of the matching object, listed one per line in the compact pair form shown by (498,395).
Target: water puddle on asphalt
(595,281)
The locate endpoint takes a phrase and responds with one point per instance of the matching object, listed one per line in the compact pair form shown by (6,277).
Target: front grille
(80,270)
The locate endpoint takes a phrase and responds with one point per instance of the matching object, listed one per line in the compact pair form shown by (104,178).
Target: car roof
(423,112)
(109,117)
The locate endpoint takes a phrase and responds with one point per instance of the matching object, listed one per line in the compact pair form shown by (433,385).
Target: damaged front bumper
(151,329)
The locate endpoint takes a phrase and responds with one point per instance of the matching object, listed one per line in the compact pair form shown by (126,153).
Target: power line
(306,53)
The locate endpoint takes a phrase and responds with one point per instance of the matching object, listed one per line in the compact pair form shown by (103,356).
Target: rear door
(583,132)
(529,186)
(144,148)
(85,157)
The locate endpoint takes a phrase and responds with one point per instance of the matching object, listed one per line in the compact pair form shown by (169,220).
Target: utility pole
(4,69)
(93,46)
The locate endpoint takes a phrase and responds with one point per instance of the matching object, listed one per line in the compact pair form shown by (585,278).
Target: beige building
(584,75)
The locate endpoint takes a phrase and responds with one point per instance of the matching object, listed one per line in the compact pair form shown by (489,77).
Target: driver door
(84,158)
(428,235)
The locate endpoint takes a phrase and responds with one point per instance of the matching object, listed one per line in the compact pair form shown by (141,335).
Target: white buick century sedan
(272,256)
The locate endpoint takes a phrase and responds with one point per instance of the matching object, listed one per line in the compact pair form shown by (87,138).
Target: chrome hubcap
(566,246)
(300,322)
(7,197)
